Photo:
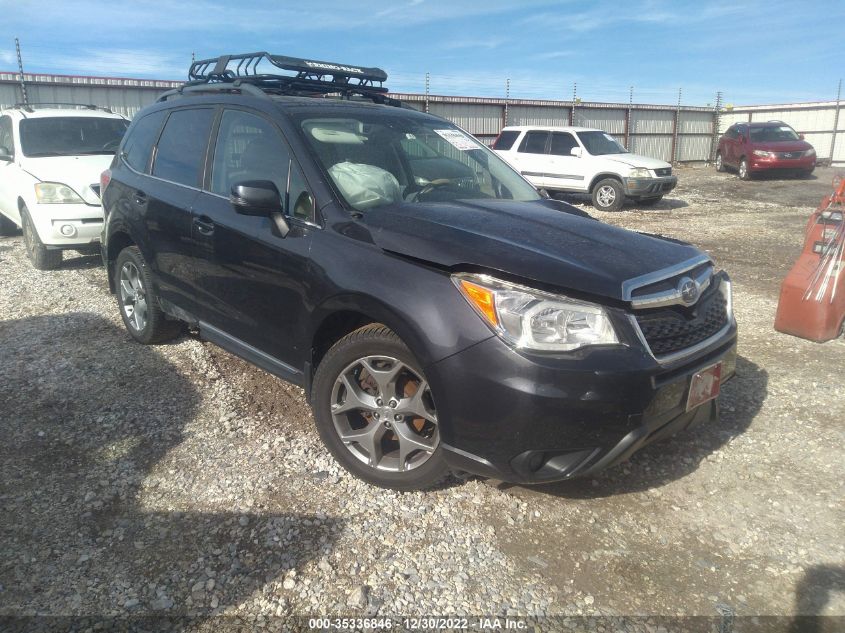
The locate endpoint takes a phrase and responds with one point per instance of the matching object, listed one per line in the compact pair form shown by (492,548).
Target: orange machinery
(812,297)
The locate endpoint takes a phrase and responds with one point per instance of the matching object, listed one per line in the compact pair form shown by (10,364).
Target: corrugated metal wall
(814,120)
(651,127)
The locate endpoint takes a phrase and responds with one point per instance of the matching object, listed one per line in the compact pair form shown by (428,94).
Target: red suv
(756,147)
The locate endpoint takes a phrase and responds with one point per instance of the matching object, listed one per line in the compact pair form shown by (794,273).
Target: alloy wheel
(606,195)
(384,414)
(133,298)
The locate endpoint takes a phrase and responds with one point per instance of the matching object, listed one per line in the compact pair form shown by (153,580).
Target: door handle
(140,197)
(204,225)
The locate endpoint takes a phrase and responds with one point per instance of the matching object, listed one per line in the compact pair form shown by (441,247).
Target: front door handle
(204,224)
(140,197)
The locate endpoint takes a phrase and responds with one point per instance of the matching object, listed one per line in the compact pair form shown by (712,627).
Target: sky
(754,51)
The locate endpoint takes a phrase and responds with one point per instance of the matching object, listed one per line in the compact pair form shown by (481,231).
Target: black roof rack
(30,107)
(239,73)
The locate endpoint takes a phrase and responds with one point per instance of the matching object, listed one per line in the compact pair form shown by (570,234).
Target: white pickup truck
(584,160)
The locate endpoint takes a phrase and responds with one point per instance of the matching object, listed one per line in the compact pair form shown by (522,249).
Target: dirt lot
(179,480)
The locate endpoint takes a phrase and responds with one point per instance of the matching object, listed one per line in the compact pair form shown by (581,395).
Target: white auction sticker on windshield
(458,139)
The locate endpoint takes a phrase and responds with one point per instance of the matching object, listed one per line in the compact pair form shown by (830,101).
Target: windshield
(71,136)
(773,133)
(600,143)
(375,160)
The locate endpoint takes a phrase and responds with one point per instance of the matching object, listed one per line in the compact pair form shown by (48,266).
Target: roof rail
(30,107)
(229,73)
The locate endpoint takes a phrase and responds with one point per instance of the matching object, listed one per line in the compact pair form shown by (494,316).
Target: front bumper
(532,419)
(762,163)
(649,187)
(82,224)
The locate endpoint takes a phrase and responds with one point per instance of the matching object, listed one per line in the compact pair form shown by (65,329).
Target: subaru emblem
(689,290)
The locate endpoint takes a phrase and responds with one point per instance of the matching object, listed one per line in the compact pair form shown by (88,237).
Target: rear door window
(138,146)
(506,139)
(180,154)
(534,143)
(562,144)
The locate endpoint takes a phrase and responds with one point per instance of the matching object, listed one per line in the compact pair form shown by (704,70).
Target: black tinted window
(6,144)
(248,148)
(139,143)
(534,143)
(562,144)
(180,153)
(506,139)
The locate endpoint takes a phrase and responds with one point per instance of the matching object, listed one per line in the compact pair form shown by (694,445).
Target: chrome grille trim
(630,285)
(673,296)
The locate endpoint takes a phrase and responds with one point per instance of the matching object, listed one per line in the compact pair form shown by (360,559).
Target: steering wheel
(431,185)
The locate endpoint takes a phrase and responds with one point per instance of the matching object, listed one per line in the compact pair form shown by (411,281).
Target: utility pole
(628,118)
(427,84)
(717,115)
(507,98)
(836,121)
(574,100)
(675,130)
(20,68)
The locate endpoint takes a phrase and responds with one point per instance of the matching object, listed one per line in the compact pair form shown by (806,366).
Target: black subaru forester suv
(439,312)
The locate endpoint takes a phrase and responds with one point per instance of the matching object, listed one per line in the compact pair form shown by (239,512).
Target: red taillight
(105,179)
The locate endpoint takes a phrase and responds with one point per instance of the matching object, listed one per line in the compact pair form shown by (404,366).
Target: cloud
(119,62)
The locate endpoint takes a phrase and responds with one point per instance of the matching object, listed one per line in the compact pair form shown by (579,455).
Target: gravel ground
(177,479)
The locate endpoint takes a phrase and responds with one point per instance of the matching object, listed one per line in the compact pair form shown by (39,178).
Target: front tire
(744,172)
(137,301)
(41,257)
(608,195)
(7,227)
(375,413)
(720,166)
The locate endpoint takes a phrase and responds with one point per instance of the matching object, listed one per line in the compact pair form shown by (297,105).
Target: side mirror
(576,151)
(260,198)
(801,136)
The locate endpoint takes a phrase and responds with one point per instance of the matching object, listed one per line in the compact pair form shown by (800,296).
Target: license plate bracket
(704,386)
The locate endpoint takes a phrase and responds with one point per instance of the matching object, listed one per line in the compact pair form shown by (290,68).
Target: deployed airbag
(365,186)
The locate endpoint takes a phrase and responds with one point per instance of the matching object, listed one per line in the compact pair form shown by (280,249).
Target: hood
(537,241)
(78,172)
(782,146)
(637,160)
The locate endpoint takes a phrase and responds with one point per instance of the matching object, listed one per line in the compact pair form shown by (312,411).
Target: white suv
(584,160)
(50,165)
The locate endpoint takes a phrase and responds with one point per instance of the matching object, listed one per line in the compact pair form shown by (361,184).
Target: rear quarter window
(506,139)
(140,140)
(180,153)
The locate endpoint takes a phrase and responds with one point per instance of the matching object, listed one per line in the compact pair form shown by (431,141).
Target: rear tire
(136,299)
(744,172)
(41,257)
(7,227)
(608,195)
(806,173)
(720,166)
(368,421)
(650,202)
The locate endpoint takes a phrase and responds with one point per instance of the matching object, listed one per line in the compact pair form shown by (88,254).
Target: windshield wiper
(95,151)
(43,154)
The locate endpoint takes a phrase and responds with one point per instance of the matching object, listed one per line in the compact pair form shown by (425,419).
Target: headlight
(810,152)
(761,152)
(56,193)
(639,172)
(532,319)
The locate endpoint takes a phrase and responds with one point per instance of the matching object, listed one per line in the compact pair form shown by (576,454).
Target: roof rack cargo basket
(306,77)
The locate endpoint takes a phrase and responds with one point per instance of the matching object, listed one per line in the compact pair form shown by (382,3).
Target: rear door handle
(204,224)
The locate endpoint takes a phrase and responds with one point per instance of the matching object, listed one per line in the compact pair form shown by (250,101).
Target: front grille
(675,329)
(663,171)
(796,154)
